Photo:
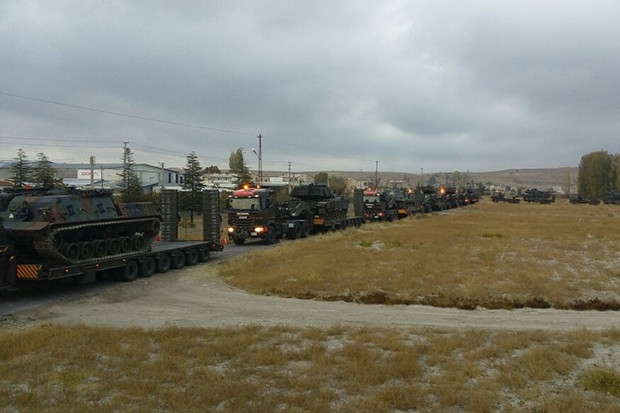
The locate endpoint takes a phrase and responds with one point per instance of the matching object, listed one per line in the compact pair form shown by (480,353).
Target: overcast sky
(330,85)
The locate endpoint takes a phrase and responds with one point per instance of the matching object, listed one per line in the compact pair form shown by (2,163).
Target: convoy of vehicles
(255,213)
(54,234)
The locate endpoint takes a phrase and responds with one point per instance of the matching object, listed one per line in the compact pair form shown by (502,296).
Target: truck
(382,205)
(79,235)
(254,213)
(536,195)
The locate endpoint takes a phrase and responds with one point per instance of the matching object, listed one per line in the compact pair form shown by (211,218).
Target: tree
(616,172)
(192,181)
(237,167)
(131,187)
(321,177)
(212,170)
(43,174)
(595,175)
(20,171)
(338,184)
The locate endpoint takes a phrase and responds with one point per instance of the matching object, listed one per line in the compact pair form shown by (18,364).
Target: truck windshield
(244,204)
(371,198)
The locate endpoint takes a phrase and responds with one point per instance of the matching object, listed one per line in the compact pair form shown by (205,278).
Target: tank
(323,202)
(72,226)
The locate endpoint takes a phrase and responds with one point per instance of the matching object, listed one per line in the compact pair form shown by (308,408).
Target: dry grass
(284,369)
(489,255)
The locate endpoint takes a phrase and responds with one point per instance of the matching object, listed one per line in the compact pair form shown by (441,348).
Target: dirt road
(197,297)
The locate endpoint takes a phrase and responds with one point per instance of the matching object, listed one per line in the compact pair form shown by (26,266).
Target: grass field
(488,255)
(492,255)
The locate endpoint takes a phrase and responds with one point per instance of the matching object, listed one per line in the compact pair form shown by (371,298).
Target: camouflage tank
(71,226)
(329,210)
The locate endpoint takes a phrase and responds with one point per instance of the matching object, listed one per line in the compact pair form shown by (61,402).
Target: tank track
(49,248)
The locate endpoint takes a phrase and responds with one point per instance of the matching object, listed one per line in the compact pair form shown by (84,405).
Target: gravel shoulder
(197,297)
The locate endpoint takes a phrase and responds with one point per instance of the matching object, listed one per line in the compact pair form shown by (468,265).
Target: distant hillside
(541,178)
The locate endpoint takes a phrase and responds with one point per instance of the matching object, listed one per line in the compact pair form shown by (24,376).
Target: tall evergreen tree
(43,173)
(192,181)
(131,187)
(237,167)
(20,171)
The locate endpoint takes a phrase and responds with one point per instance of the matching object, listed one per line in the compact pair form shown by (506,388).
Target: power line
(125,115)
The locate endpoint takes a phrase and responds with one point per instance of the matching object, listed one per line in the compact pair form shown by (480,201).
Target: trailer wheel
(204,254)
(129,272)
(192,257)
(177,261)
(147,267)
(163,263)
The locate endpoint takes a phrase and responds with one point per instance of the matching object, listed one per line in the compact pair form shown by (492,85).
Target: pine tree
(237,167)
(20,171)
(131,187)
(43,173)
(192,181)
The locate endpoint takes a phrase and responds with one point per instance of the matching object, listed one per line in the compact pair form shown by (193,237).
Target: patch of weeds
(394,243)
(602,380)
(365,244)
(493,235)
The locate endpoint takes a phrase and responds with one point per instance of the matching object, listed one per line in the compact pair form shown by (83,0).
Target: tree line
(598,173)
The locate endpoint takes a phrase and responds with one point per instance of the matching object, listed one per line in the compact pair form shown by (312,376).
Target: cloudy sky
(353,85)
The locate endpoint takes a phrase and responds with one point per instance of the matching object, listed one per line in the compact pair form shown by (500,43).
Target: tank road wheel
(147,267)
(191,258)
(114,246)
(126,244)
(129,272)
(177,261)
(163,263)
(137,241)
(72,251)
(58,241)
(101,248)
(87,250)
(204,254)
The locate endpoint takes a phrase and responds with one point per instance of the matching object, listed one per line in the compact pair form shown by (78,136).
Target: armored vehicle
(72,226)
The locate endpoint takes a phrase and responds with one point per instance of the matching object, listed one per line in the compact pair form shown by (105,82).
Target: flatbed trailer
(162,257)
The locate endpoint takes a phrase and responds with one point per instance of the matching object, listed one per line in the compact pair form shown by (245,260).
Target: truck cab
(252,214)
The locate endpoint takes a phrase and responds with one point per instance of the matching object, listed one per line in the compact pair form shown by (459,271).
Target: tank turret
(76,226)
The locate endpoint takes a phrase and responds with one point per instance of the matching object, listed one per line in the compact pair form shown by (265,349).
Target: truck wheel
(238,241)
(147,267)
(177,261)
(129,272)
(271,237)
(305,228)
(293,233)
(163,263)
(191,257)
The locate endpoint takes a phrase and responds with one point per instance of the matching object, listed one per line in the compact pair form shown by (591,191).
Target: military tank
(72,226)
(330,210)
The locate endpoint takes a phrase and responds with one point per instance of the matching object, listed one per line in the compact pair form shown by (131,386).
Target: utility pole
(125,160)
(260,159)
(92,172)
(289,177)
(376,174)
(162,176)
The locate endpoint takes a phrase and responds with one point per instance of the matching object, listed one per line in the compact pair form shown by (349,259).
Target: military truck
(255,213)
(380,205)
(535,195)
(51,234)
